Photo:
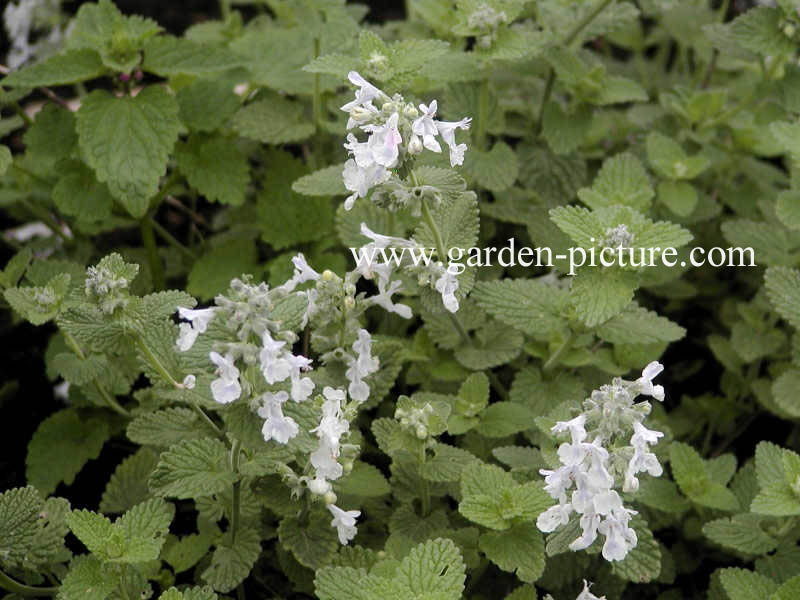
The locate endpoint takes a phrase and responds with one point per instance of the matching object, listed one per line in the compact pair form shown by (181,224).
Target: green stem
(109,399)
(554,359)
(570,37)
(483,115)
(21,112)
(237,490)
(15,587)
(154,260)
(44,215)
(425,491)
(171,240)
(156,364)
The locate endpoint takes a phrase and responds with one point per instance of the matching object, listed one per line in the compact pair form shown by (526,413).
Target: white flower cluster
(21,19)
(595,460)
(388,126)
(443,279)
(588,595)
(618,237)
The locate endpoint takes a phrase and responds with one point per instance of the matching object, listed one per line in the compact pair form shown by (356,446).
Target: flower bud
(421,431)
(327,275)
(138,75)
(349,302)
(414,145)
(411,111)
(124,77)
(347,466)
(189,382)
(329,498)
(789,30)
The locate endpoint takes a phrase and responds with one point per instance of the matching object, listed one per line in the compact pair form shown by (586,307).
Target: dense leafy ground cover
(205,395)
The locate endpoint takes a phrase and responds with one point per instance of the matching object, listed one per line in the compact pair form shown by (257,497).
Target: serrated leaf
(127,142)
(599,294)
(312,543)
(639,326)
(19,514)
(742,533)
(206,104)
(211,274)
(494,344)
(785,392)
(783,289)
(230,565)
(621,180)
(167,55)
(87,580)
(495,170)
(128,484)
(758,30)
(72,66)
(192,468)
(502,419)
(164,427)
(61,446)
(215,167)
(323,182)
(433,569)
(447,463)
(525,304)
(339,583)
(741,584)
(275,120)
(364,480)
(565,131)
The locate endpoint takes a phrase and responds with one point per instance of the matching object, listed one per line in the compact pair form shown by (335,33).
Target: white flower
(365,364)
(302,273)
(447,130)
(360,181)
(384,298)
(323,459)
(576,428)
(198,323)
(274,366)
(361,109)
(361,151)
(425,127)
(226,388)
(642,460)
(319,486)
(620,538)
(586,594)
(302,387)
(61,390)
(189,382)
(345,522)
(645,382)
(380,241)
(384,142)
(554,517)
(277,426)
(447,285)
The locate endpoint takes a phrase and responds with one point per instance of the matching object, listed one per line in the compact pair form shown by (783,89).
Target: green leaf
(770,245)
(145,527)
(128,140)
(323,182)
(783,290)
(788,209)
(184,553)
(447,464)
(693,478)
(473,395)
(286,218)
(62,444)
(39,304)
(95,531)
(741,584)
(494,344)
(434,569)
(205,104)
(742,533)
(52,135)
(669,159)
(5,159)
(211,274)
(364,480)
(339,583)
(313,543)
(274,120)
(678,196)
(87,580)
(72,66)
(565,131)
(517,550)
(215,167)
(637,325)
(502,419)
(788,590)
(192,468)
(230,565)
(759,31)
(165,427)
(621,180)
(79,194)
(19,516)
(167,55)
(525,304)
(495,170)
(784,392)
(777,496)
(599,294)
(128,484)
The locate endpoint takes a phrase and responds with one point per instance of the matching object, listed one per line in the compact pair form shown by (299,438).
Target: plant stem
(170,239)
(21,112)
(552,362)
(483,115)
(155,363)
(110,400)
(153,259)
(425,492)
(15,587)
(570,37)
(45,216)
(237,490)
(317,97)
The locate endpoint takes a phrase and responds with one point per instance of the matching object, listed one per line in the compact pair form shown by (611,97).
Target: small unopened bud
(349,302)
(327,275)
(411,111)
(124,77)
(347,466)
(789,30)
(421,431)
(350,289)
(329,498)
(414,145)
(189,382)
(359,113)
(137,74)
